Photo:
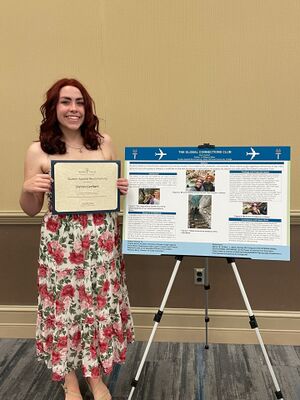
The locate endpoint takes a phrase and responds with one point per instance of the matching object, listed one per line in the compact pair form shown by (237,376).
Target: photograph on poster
(199,211)
(255,208)
(200,180)
(149,196)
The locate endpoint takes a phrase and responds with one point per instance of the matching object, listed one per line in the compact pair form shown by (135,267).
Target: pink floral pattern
(84,319)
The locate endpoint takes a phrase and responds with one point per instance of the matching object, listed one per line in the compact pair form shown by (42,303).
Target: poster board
(219,202)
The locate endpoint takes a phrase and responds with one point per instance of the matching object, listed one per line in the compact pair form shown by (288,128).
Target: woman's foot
(99,389)
(71,394)
(71,387)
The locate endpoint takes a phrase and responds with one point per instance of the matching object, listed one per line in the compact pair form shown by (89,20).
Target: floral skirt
(83,318)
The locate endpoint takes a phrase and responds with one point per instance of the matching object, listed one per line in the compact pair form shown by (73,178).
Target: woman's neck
(72,137)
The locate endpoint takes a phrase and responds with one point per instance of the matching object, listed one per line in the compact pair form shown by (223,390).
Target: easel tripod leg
(206,288)
(157,318)
(254,325)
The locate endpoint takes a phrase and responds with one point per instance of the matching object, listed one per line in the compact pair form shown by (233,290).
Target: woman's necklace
(79,148)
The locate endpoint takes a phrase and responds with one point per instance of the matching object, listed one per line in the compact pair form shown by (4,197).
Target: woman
(83,317)
(208,184)
(199,185)
(155,197)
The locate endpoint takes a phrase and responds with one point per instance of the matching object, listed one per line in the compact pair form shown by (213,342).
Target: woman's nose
(73,106)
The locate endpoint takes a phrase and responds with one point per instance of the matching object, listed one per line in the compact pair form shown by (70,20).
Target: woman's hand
(39,183)
(122,185)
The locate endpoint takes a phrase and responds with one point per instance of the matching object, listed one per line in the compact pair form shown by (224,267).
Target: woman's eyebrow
(70,98)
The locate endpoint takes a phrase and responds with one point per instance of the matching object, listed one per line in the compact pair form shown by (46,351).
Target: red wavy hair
(50,132)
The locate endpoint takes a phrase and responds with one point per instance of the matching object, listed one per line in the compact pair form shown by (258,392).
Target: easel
(252,320)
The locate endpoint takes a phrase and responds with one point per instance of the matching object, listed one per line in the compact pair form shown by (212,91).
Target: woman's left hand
(122,185)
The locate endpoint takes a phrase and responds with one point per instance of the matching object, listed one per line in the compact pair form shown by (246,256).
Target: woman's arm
(36,183)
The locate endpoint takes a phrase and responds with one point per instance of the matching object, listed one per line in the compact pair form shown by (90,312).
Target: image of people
(83,320)
(156,197)
(200,180)
(144,197)
(255,208)
(199,185)
(149,196)
(208,184)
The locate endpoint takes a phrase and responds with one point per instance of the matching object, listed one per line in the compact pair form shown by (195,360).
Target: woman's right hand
(39,183)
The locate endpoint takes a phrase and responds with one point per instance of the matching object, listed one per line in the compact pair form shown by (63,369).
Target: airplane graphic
(160,154)
(253,153)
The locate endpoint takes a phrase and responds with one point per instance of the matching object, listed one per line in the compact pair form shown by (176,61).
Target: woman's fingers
(122,185)
(38,183)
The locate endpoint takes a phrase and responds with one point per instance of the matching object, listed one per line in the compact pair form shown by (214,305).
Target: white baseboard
(180,325)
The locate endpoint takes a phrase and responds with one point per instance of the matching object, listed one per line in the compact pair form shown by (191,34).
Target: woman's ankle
(71,382)
(93,382)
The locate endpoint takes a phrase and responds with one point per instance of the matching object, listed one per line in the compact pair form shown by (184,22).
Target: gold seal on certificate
(84,186)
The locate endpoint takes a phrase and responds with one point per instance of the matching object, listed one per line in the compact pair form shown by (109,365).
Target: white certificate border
(53,209)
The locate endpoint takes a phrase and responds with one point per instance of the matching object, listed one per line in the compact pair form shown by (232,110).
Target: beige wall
(162,72)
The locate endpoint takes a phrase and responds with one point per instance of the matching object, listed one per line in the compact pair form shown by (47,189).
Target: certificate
(84,186)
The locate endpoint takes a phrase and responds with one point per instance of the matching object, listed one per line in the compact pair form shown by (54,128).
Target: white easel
(252,321)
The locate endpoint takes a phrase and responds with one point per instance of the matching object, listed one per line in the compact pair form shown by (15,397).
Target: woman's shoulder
(107,147)
(35,150)
(36,158)
(105,139)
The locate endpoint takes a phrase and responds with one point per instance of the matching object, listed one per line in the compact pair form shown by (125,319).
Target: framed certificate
(84,186)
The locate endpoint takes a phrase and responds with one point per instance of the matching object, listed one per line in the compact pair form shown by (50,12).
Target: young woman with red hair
(83,320)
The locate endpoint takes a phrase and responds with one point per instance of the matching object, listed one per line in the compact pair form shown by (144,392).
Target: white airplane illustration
(160,154)
(253,153)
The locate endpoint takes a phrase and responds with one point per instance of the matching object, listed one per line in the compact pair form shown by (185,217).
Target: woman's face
(70,108)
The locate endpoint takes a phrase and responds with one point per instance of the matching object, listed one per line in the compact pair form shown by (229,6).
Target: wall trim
(295,217)
(18,217)
(180,325)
